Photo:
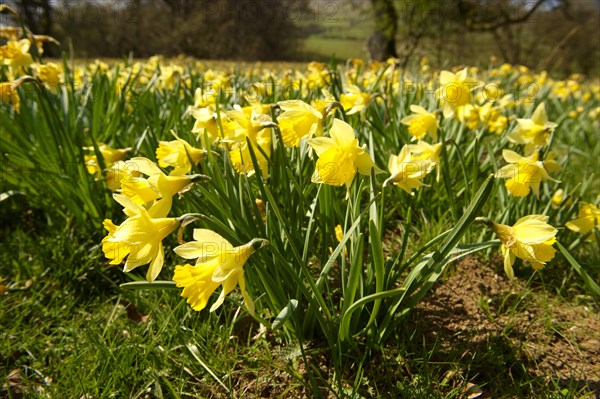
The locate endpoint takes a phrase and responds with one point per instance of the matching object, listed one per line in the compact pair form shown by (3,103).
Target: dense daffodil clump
(265,133)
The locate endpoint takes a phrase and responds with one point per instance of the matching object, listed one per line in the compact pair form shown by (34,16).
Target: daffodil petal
(533,229)
(511,156)
(321,144)
(156,264)
(509,259)
(364,163)
(209,236)
(342,133)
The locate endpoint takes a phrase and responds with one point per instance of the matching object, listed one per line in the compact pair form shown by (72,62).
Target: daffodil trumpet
(218,262)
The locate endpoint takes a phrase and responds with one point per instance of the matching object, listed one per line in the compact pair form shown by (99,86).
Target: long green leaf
(155,285)
(589,282)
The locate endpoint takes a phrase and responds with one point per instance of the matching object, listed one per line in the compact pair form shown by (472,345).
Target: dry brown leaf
(133,313)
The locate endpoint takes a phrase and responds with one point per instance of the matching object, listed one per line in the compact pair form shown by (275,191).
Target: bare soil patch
(504,331)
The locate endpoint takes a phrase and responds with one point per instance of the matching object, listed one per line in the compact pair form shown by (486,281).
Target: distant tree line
(559,35)
(542,34)
(222,29)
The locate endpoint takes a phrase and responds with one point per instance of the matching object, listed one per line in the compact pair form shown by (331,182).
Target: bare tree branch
(505,20)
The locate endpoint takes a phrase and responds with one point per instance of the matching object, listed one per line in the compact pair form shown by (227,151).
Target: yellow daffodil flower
(339,236)
(299,120)
(178,154)
(421,122)
(316,76)
(216,81)
(490,92)
(99,66)
(507,101)
(339,233)
(558,198)
(535,131)
(139,238)
(455,91)
(169,74)
(407,172)
(16,53)
(241,157)
(109,155)
(118,173)
(468,114)
(9,95)
(340,157)
(261,205)
(218,263)
(155,191)
(354,100)
(530,239)
(423,151)
(587,220)
(252,126)
(10,32)
(321,104)
(496,122)
(523,173)
(550,163)
(49,74)
(206,120)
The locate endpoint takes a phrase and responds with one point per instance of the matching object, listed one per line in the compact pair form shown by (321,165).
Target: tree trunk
(382,43)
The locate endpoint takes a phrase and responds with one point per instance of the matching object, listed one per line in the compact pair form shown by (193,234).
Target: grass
(323,48)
